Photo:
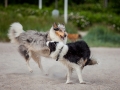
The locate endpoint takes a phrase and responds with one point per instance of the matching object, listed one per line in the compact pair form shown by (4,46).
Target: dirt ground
(14,74)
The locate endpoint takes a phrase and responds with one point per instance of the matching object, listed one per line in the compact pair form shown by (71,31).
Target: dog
(32,44)
(73,55)
(74,37)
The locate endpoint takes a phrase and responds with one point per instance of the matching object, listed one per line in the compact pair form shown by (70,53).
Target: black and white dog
(73,55)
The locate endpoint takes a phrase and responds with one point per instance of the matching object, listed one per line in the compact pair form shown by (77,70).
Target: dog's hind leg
(28,65)
(26,54)
(36,57)
(40,65)
(79,73)
(69,72)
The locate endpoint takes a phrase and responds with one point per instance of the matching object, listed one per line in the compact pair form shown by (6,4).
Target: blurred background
(97,21)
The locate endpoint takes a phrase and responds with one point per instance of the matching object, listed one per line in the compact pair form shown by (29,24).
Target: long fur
(15,30)
(73,55)
(33,43)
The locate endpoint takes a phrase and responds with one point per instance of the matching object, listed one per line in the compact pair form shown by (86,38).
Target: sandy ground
(14,74)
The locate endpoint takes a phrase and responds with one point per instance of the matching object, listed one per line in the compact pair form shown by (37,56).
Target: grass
(101,36)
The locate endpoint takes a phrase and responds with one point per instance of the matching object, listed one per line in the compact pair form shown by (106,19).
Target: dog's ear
(55,25)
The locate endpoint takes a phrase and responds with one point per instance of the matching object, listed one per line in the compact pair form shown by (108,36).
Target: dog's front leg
(79,73)
(69,72)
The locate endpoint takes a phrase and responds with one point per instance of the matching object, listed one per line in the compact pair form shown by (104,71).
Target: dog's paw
(82,82)
(46,74)
(31,70)
(69,82)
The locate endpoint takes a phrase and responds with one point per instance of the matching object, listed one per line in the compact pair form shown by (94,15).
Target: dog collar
(59,53)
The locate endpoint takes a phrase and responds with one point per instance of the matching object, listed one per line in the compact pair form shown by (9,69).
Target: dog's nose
(65,35)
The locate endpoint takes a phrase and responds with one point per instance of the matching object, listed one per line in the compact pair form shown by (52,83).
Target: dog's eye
(60,30)
(56,29)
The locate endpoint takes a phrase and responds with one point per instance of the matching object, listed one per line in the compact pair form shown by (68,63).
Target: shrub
(30,18)
(101,36)
(79,20)
(84,19)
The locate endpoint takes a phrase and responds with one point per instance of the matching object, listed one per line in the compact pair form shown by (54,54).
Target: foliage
(30,18)
(89,7)
(101,36)
(114,6)
(84,19)
(79,20)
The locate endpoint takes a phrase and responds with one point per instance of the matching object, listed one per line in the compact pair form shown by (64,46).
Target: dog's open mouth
(61,37)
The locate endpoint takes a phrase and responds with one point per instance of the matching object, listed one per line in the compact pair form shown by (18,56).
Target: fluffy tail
(91,61)
(15,30)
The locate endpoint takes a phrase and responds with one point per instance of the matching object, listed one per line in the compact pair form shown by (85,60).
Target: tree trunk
(56,4)
(105,3)
(6,3)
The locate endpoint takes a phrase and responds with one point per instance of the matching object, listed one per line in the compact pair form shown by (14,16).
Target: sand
(14,74)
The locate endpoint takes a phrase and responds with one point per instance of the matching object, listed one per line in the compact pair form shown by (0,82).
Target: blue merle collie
(73,55)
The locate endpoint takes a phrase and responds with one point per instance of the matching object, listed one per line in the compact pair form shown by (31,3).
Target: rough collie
(73,55)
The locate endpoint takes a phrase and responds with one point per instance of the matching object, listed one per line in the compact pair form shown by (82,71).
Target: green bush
(101,36)
(96,7)
(79,20)
(84,19)
(30,18)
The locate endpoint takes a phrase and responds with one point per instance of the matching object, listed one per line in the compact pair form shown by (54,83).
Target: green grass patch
(101,36)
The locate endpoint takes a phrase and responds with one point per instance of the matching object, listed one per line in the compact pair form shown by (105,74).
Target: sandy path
(14,74)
